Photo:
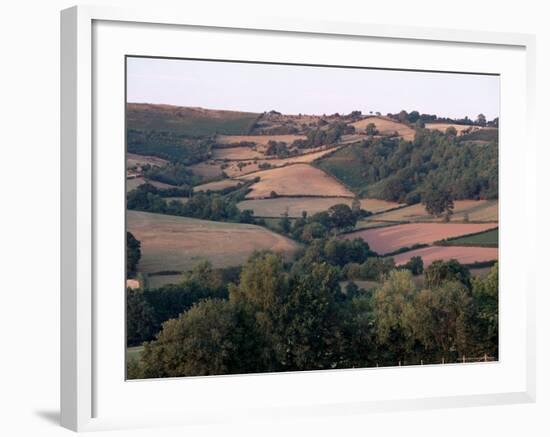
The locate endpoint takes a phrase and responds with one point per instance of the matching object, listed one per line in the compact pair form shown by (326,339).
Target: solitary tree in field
(371,129)
(438,201)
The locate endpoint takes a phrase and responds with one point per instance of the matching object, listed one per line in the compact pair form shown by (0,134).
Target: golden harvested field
(464,255)
(251,166)
(295,205)
(391,238)
(170,243)
(132,159)
(296,180)
(236,153)
(258,139)
(306,157)
(442,127)
(207,169)
(476,211)
(386,127)
(218,185)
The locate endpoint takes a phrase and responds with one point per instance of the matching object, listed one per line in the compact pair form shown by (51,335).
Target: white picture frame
(83,382)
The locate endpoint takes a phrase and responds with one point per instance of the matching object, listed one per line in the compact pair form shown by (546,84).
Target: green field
(347,166)
(190,122)
(483,239)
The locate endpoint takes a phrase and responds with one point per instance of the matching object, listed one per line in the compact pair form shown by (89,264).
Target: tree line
(279,317)
(201,205)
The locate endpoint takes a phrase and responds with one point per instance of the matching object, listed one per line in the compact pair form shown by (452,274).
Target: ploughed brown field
(294,206)
(296,180)
(386,127)
(171,243)
(464,255)
(389,239)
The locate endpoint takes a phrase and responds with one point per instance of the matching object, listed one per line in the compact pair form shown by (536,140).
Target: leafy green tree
(261,291)
(140,318)
(438,201)
(358,331)
(312,231)
(419,124)
(371,129)
(403,116)
(414,116)
(285,223)
(205,340)
(133,252)
(485,293)
(439,318)
(481,120)
(339,252)
(376,268)
(390,303)
(342,216)
(415,265)
(439,272)
(451,131)
(310,320)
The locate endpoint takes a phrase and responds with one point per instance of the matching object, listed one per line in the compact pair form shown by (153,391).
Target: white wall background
(29,215)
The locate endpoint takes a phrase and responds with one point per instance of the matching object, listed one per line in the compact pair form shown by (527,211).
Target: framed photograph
(274,218)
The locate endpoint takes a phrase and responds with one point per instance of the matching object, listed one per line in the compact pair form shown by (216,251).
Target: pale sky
(292,89)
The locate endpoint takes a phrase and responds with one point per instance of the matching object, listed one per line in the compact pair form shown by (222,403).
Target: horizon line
(370,113)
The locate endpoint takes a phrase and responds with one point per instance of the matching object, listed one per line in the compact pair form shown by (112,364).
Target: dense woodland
(404,171)
(277,317)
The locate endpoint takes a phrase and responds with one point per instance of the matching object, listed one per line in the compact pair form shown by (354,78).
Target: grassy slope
(192,122)
(176,244)
(483,239)
(345,166)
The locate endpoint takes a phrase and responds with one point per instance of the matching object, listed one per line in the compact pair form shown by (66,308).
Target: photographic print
(284,217)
